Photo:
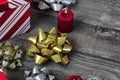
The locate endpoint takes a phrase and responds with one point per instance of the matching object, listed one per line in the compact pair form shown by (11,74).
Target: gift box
(14,18)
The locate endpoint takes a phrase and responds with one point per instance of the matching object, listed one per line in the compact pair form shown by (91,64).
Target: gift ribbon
(38,74)
(3,5)
(56,5)
(49,45)
(10,55)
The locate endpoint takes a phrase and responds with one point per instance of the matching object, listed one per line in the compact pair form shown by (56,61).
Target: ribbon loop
(40,59)
(41,35)
(33,39)
(56,58)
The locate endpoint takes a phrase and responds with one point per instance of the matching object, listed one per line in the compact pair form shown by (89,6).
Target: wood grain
(105,13)
(91,55)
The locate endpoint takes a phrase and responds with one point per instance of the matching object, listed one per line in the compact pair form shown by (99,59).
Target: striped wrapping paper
(15,20)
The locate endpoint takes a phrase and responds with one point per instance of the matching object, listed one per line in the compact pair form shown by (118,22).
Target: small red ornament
(74,77)
(2,75)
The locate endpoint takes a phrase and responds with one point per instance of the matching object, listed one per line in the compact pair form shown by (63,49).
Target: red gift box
(14,18)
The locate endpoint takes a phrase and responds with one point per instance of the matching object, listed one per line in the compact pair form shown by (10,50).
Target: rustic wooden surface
(88,40)
(81,63)
(104,13)
(92,54)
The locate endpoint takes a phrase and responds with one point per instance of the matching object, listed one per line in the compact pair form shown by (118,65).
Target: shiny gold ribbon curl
(49,45)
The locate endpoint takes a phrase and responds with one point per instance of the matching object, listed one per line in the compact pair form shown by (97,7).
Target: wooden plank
(99,12)
(92,55)
(105,13)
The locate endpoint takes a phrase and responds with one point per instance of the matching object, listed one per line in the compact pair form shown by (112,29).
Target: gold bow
(10,55)
(49,45)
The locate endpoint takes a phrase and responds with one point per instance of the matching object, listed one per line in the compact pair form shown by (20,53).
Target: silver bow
(38,74)
(93,78)
(56,5)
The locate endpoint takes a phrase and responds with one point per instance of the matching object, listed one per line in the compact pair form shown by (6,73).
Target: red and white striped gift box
(16,19)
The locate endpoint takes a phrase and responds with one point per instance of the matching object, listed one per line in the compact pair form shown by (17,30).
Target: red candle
(3,5)
(74,77)
(65,21)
